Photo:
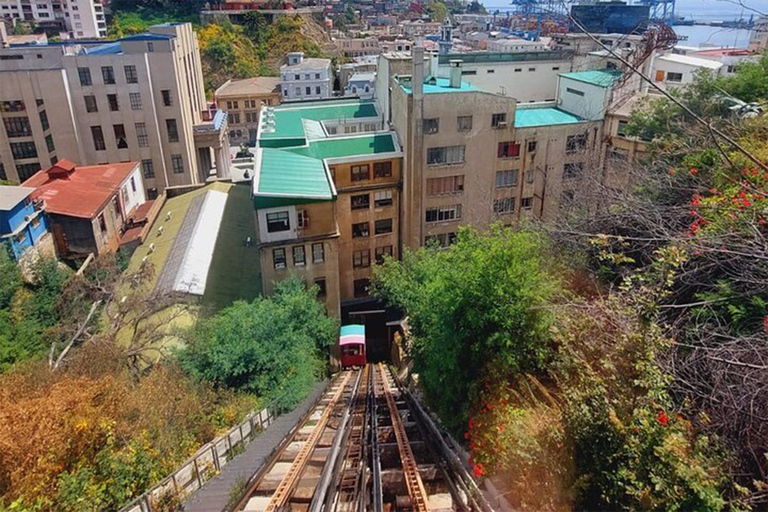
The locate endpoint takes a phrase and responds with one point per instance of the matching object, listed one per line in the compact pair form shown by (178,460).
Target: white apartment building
(79,18)
(673,70)
(305,79)
(140,98)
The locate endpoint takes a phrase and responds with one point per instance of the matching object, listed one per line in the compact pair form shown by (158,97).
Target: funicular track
(367,446)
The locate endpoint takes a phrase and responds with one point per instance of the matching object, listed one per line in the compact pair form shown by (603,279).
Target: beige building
(326,191)
(242,100)
(353,47)
(140,98)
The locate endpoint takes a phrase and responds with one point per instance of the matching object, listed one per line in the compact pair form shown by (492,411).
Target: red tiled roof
(78,191)
(140,212)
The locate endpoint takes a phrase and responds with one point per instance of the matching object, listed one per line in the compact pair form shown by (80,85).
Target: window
(133,184)
(526,203)
(321,289)
(518,70)
(148,168)
(298,91)
(302,219)
(360,172)
(251,117)
(360,230)
(135,98)
(382,227)
(318,253)
(431,125)
(555,68)
(11,57)
(506,179)
(49,143)
(508,149)
(498,120)
(490,71)
(98,138)
(464,123)
(571,171)
(120,138)
(151,194)
(469,72)
(531,69)
(381,252)
(44,120)
(444,213)
(317,76)
(297,77)
(574,91)
(309,90)
(102,223)
(22,150)
(278,258)
(108,74)
(361,201)
(506,205)
(575,143)
(90,104)
(621,131)
(85,76)
(167,100)
(114,106)
(173,130)
(141,135)
(130,75)
(382,198)
(17,127)
(177,163)
(442,239)
(352,128)
(25,171)
(382,169)
(299,256)
(445,186)
(278,221)
(361,287)
(531,146)
(150,47)
(317,90)
(529,176)
(674,77)
(445,155)
(12,106)
(361,259)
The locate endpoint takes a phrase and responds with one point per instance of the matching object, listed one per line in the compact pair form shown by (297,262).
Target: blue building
(21,225)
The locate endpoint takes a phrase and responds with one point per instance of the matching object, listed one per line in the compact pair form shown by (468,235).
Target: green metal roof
(531,117)
(286,174)
(369,145)
(288,118)
(599,77)
(297,175)
(442,85)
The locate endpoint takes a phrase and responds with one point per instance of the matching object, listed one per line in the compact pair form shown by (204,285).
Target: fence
(203,465)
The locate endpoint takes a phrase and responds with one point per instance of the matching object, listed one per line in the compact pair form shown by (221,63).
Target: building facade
(306,79)
(353,47)
(89,208)
(327,199)
(243,100)
(140,98)
(23,226)
(79,18)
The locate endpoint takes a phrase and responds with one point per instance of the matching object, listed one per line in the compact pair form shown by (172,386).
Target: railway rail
(368,445)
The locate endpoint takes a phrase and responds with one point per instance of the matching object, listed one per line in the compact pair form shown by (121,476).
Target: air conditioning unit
(501,125)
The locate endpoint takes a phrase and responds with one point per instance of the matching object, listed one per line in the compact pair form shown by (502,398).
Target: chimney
(455,73)
(417,79)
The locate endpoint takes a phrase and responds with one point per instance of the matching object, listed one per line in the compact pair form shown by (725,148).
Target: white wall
(132,198)
(582,99)
(296,89)
(290,234)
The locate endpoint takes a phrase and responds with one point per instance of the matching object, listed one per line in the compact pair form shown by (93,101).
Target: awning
(352,335)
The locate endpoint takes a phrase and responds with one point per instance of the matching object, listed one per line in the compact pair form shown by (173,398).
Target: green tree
(749,83)
(473,310)
(273,347)
(437,11)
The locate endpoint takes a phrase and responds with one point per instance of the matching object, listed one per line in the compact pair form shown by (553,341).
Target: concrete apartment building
(242,100)
(78,18)
(327,198)
(353,47)
(140,98)
(306,79)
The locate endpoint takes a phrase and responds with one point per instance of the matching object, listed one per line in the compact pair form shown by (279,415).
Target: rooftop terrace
(434,85)
(599,77)
(547,116)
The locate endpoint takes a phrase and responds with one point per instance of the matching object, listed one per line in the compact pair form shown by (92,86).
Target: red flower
(471,424)
(672,172)
(466,435)
(479,470)
(488,407)
(694,171)
(753,172)
(501,428)
(663,418)
(746,202)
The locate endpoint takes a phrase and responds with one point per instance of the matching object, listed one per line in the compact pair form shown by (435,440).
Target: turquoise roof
(531,117)
(347,330)
(288,117)
(442,85)
(297,175)
(599,77)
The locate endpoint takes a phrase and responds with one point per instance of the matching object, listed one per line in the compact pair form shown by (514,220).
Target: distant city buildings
(140,98)
(305,78)
(77,18)
(242,100)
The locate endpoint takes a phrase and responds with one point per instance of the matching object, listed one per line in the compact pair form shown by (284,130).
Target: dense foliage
(472,311)
(273,347)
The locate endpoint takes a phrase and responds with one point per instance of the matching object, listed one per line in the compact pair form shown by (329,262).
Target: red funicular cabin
(352,345)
